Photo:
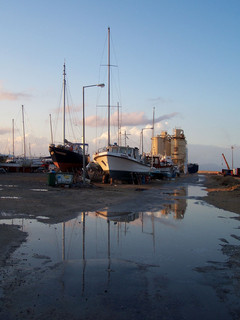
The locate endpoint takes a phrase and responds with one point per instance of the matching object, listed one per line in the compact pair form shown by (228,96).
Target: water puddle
(9,197)
(8,185)
(10,215)
(145,259)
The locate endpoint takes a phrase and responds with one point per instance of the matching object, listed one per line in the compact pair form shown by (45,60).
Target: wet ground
(174,261)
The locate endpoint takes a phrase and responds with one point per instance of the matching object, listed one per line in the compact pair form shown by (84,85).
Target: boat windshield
(123,150)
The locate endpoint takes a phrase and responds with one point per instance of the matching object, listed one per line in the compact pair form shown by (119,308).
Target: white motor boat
(121,163)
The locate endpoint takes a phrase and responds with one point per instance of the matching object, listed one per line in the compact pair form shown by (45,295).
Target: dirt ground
(19,196)
(223,192)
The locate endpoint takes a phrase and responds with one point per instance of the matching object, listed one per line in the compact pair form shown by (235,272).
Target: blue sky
(181,57)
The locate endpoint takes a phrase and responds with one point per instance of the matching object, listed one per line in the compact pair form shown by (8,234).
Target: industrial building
(174,145)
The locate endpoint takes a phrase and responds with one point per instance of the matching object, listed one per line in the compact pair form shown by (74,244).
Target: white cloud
(4,131)
(12,96)
(128,119)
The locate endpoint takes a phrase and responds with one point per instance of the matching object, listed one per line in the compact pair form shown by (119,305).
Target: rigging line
(72,112)
(68,108)
(102,57)
(69,112)
(96,135)
(70,238)
(120,94)
(57,244)
(117,64)
(58,111)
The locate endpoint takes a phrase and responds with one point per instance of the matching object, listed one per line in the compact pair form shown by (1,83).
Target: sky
(179,58)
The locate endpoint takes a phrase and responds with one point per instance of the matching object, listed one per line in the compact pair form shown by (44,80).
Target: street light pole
(101,85)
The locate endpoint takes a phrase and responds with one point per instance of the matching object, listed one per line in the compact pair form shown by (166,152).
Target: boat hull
(67,160)
(121,167)
(15,167)
(192,168)
(163,172)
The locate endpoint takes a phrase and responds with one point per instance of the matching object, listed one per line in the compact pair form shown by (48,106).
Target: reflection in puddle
(11,215)
(118,216)
(97,255)
(179,207)
(42,218)
(145,237)
(8,197)
(8,185)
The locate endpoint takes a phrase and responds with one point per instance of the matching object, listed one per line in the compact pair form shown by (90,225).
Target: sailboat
(68,156)
(20,164)
(119,162)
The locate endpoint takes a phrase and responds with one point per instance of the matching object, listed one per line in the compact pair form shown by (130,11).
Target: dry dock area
(159,250)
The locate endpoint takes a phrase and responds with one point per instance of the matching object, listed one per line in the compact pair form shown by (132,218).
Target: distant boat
(119,162)
(162,166)
(20,164)
(67,157)
(3,157)
(192,167)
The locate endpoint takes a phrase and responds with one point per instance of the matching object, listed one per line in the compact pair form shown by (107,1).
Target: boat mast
(64,105)
(24,145)
(153,122)
(51,127)
(119,129)
(13,137)
(108,86)
(152,137)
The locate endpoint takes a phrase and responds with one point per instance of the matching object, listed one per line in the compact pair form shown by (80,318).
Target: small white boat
(121,163)
(162,166)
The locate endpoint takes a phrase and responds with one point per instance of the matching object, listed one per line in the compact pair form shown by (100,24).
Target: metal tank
(179,149)
(161,144)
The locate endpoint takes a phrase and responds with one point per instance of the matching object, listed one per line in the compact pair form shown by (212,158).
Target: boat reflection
(114,217)
(118,216)
(178,208)
(99,244)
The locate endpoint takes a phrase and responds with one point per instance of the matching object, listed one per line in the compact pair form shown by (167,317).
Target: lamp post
(101,85)
(232,156)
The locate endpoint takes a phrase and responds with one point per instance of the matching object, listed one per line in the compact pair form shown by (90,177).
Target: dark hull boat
(69,157)
(192,167)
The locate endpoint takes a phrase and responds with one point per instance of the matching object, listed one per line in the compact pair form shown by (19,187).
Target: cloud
(4,131)
(128,119)
(92,121)
(12,96)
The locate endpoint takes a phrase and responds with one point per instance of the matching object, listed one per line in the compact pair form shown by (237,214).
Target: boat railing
(103,149)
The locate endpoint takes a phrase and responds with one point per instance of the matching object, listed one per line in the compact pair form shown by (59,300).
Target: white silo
(178,149)
(161,144)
